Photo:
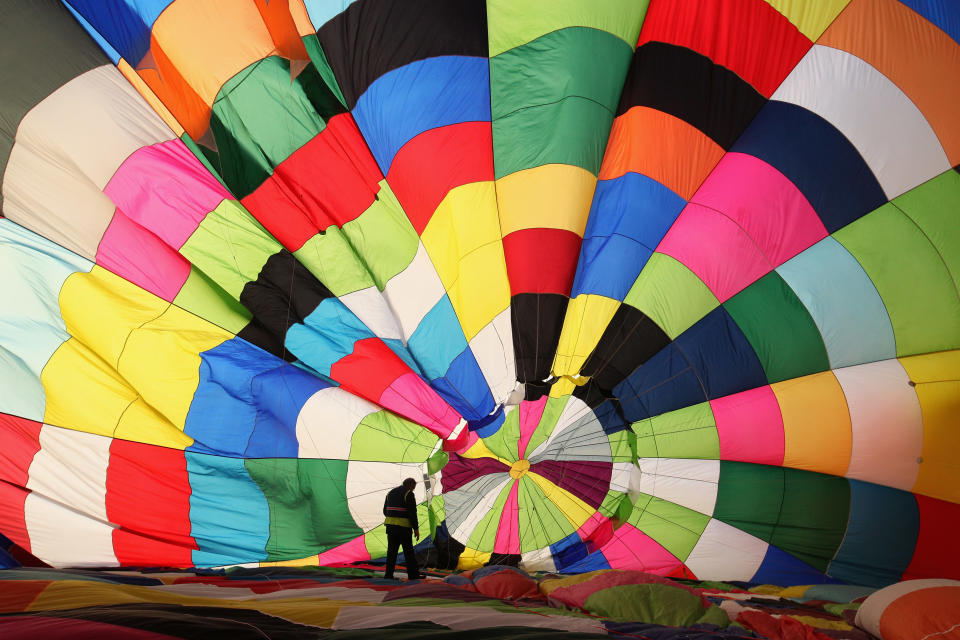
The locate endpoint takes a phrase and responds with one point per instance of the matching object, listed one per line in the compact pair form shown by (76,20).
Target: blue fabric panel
(591,562)
(326,335)
(843,302)
(881,535)
(489,424)
(108,49)
(125,24)
(610,419)
(779,567)
(321,11)
(229,515)
(569,551)
(663,383)
(280,394)
(817,158)
(943,13)
(438,340)
(628,218)
(420,96)
(465,389)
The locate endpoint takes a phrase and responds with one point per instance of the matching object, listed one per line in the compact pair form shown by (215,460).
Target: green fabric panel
(383,237)
(504,442)
(548,421)
(230,247)
(653,604)
(516,22)
(672,295)
(484,535)
(437,461)
(332,260)
(553,100)
(623,446)
(308,505)
(612,503)
(260,116)
(202,297)
(319,59)
(674,527)
(801,512)
(541,522)
(779,328)
(386,437)
(690,432)
(911,278)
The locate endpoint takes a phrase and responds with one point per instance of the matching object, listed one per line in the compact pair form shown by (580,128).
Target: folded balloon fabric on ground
(658,286)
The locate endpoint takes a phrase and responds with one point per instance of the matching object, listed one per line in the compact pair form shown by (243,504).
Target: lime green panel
(674,527)
(230,247)
(690,432)
(623,446)
(331,259)
(655,604)
(504,442)
(613,503)
(386,437)
(911,278)
(516,22)
(308,505)
(672,295)
(551,413)
(202,297)
(383,237)
(553,99)
(541,523)
(484,535)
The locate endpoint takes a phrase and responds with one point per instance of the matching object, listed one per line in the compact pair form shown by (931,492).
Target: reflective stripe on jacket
(400,508)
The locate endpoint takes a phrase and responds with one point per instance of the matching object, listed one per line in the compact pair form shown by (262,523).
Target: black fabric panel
(283,294)
(629,340)
(537,320)
(374,36)
(688,85)
(592,395)
(503,560)
(42,47)
(533,391)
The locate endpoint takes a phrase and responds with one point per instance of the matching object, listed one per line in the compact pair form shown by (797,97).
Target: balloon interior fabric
(667,286)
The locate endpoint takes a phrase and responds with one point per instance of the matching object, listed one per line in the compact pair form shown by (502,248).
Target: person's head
(410,484)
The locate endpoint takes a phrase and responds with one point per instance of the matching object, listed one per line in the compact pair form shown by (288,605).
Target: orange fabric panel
(816,423)
(923,613)
(174,91)
(917,56)
(660,146)
(283,28)
(301,18)
(134,78)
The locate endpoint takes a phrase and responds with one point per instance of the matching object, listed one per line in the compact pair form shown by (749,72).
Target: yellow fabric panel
(209,41)
(84,393)
(552,196)
(479,449)
(309,561)
(472,559)
(575,510)
(937,379)
(810,18)
(562,387)
(463,242)
(134,78)
(816,423)
(549,585)
(587,317)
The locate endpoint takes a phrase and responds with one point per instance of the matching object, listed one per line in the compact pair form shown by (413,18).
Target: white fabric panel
(413,292)
(462,532)
(66,513)
(689,483)
(881,121)
(726,553)
(870,612)
(372,310)
(327,421)
(538,560)
(572,412)
(66,150)
(368,484)
(621,475)
(493,349)
(886,423)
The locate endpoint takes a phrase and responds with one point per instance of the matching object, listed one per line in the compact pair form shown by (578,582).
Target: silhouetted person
(400,509)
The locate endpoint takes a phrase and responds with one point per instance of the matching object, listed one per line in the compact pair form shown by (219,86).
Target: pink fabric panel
(750,426)
(587,528)
(716,249)
(164,188)
(138,256)
(530,414)
(766,205)
(408,393)
(630,547)
(508,533)
(351,551)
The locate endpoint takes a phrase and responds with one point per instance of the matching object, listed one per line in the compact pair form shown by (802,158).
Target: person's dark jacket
(400,508)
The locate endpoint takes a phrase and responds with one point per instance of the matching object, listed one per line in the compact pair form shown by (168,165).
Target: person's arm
(412,514)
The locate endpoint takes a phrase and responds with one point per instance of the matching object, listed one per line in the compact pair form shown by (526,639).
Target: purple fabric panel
(589,481)
(459,471)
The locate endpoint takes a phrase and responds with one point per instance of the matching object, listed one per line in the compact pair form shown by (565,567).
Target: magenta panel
(750,426)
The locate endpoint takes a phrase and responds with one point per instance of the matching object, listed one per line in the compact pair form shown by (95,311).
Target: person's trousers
(401,537)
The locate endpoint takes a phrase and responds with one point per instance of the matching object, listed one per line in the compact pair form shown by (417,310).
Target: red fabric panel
(507,584)
(749,37)
(148,496)
(429,166)
(935,555)
(330,180)
(370,369)
(782,628)
(17,595)
(541,260)
(20,440)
